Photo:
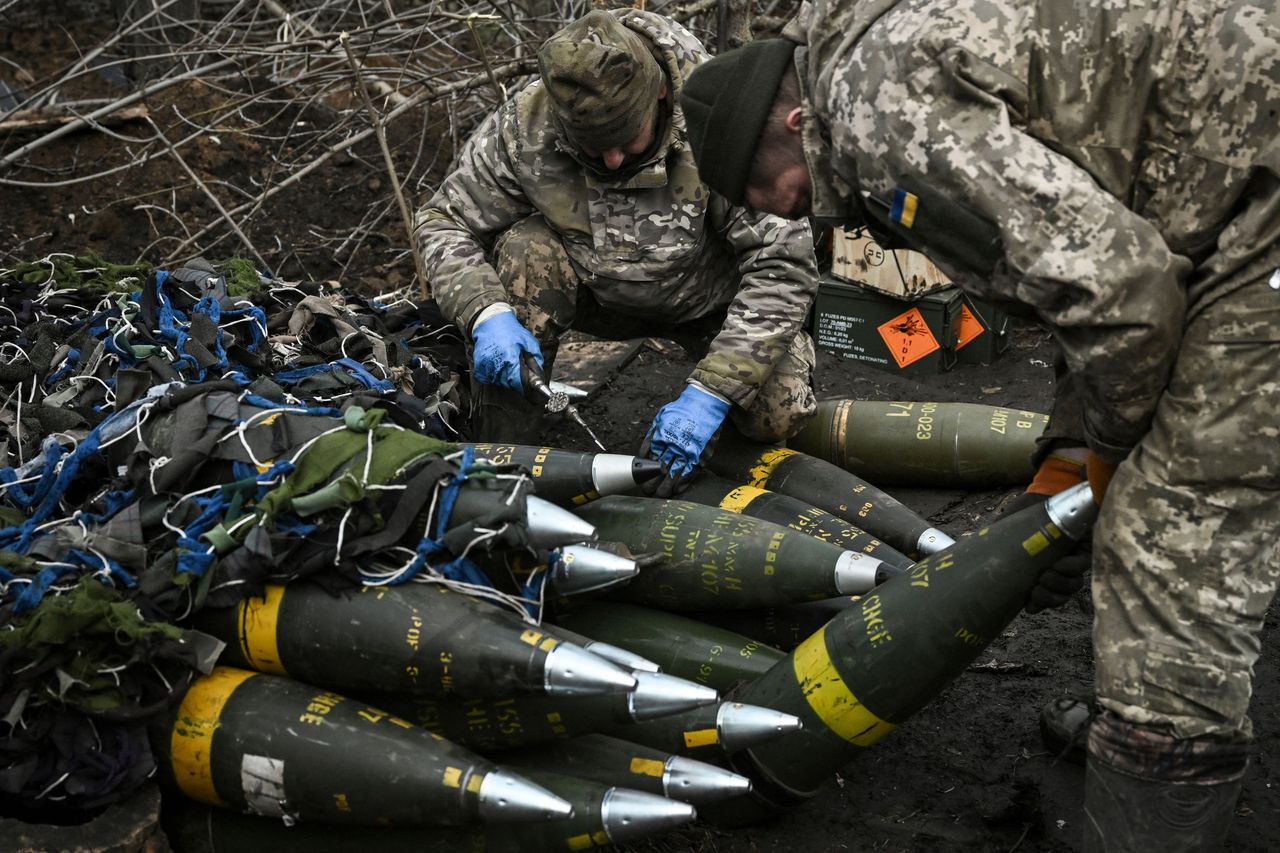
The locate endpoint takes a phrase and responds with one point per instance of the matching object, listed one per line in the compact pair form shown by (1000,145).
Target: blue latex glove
(499,341)
(682,428)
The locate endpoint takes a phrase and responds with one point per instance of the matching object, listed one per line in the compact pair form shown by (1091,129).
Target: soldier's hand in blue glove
(499,341)
(679,435)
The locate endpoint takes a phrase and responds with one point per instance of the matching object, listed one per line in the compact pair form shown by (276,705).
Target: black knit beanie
(726,102)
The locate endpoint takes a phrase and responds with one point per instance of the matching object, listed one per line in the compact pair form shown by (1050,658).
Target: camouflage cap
(602,79)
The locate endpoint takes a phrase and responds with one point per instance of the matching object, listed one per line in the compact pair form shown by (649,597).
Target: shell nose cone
(659,695)
(628,814)
(573,671)
(644,469)
(582,569)
(551,526)
(743,726)
(698,782)
(615,474)
(856,573)
(622,657)
(933,540)
(508,798)
(1073,510)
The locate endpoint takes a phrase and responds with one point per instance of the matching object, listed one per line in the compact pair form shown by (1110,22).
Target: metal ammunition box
(862,325)
(984,331)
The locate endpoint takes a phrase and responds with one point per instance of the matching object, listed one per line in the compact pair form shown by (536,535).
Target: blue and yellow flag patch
(903,208)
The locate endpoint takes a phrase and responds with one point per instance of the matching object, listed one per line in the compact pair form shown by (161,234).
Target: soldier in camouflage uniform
(578,205)
(1116,167)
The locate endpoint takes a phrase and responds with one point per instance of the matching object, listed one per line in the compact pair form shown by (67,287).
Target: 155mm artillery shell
(681,646)
(710,490)
(569,478)
(875,665)
(601,816)
(415,638)
(965,445)
(819,483)
(717,560)
(277,747)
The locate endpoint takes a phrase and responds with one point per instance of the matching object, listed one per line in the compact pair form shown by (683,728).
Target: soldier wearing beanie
(577,205)
(1116,169)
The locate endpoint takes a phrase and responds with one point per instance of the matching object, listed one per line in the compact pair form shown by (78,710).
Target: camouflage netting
(172,440)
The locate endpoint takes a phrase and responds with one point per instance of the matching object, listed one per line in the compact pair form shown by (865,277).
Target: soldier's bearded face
(779,182)
(788,194)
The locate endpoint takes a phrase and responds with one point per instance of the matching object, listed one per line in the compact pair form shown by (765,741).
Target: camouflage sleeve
(779,279)
(1099,274)
(478,200)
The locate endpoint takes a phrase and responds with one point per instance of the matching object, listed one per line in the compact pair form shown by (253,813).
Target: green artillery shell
(819,483)
(497,724)
(783,627)
(277,747)
(611,761)
(601,816)
(875,665)
(717,560)
(418,638)
(710,732)
(924,444)
(568,478)
(710,490)
(681,646)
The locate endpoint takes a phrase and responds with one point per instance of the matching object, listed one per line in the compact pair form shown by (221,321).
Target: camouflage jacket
(1077,157)
(633,236)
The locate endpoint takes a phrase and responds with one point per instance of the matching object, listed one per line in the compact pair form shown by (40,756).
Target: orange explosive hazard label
(908,337)
(970,327)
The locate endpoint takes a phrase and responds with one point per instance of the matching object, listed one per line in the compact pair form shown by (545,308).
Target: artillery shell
(964,445)
(819,483)
(277,747)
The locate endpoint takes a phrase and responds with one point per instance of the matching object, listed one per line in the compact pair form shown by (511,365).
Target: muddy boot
(500,415)
(1064,727)
(1147,790)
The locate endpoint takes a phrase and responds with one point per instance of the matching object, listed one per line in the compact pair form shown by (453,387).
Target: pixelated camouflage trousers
(1187,547)
(550,298)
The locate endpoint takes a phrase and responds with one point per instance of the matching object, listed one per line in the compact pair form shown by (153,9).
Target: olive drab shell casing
(681,646)
(965,445)
(600,817)
(491,725)
(568,478)
(612,761)
(819,483)
(876,664)
(783,626)
(280,748)
(711,490)
(716,560)
(414,638)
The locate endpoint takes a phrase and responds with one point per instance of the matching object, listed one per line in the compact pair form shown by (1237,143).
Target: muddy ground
(968,773)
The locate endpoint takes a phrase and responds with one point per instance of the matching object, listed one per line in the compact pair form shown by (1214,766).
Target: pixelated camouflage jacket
(633,237)
(1077,157)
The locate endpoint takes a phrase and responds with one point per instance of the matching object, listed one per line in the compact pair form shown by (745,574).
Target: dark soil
(967,773)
